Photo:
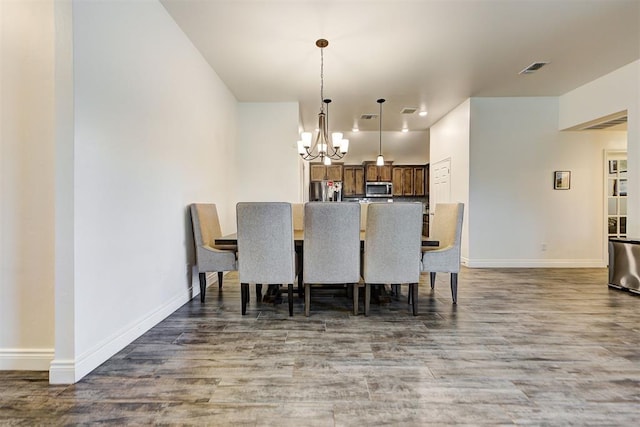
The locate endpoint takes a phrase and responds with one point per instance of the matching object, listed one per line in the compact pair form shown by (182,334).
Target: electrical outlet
(543,247)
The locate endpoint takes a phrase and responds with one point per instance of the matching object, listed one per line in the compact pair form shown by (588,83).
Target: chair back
(265,243)
(447,224)
(331,243)
(206,224)
(363,216)
(393,241)
(298,215)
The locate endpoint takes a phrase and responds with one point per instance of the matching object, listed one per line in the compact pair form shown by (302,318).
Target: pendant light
(380,160)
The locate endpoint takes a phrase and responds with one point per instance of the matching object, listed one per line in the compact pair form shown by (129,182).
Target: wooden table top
(298,237)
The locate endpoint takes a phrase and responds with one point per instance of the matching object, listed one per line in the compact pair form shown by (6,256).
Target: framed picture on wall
(561,180)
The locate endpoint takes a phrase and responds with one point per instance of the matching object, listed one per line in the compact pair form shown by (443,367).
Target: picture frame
(562,180)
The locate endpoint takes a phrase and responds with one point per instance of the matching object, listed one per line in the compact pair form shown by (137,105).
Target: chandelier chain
(321,79)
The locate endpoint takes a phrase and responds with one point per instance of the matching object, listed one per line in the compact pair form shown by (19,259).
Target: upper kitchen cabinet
(376,173)
(409,180)
(320,172)
(353,183)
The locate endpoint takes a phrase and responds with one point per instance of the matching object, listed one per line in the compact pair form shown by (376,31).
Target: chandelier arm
(309,155)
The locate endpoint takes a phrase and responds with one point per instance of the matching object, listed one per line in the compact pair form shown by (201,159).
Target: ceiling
(423,54)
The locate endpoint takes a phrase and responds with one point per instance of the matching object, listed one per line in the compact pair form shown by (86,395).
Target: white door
(616,193)
(440,191)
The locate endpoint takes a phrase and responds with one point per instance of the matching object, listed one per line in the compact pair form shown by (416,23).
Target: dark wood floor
(522,347)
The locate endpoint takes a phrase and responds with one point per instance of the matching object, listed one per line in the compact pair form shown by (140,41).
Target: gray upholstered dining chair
(265,247)
(392,248)
(331,247)
(209,257)
(445,258)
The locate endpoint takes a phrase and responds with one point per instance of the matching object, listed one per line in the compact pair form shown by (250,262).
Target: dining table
(298,238)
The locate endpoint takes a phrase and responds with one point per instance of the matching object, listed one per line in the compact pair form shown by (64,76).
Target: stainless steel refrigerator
(325,191)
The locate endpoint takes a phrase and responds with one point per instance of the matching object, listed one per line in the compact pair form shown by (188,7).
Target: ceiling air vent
(408,110)
(533,67)
(608,124)
(368,116)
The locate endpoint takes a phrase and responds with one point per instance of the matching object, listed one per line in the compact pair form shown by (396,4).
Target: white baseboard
(19,359)
(534,263)
(65,371)
(62,372)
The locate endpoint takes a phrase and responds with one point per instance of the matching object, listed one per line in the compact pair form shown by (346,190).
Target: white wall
(449,139)
(402,148)
(614,92)
(268,164)
(26,185)
(515,148)
(154,127)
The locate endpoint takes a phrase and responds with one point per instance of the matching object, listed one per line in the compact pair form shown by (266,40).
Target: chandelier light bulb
(336,138)
(344,146)
(306,139)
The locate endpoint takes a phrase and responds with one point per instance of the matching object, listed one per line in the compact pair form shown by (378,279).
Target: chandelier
(323,147)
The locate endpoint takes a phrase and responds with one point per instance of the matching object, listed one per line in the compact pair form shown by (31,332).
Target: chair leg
(413,290)
(220,274)
(454,287)
(244,295)
(355,298)
(203,285)
(432,277)
(367,298)
(307,299)
(258,292)
(395,290)
(290,299)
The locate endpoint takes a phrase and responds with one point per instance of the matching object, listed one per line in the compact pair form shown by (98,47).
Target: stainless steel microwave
(379,189)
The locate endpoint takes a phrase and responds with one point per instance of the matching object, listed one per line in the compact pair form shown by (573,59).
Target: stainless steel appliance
(379,189)
(325,191)
(624,262)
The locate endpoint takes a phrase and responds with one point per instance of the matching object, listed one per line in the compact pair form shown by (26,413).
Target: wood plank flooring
(522,347)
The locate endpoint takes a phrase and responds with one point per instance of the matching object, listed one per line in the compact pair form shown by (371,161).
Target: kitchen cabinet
(375,173)
(419,181)
(353,182)
(409,181)
(320,172)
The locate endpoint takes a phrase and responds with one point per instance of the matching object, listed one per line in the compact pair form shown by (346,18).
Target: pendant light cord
(380,101)
(380,149)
